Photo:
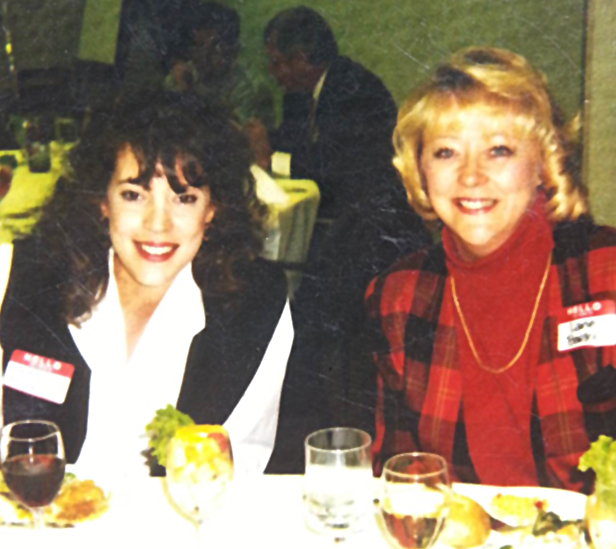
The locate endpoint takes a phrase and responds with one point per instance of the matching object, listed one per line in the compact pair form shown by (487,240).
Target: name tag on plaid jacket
(591,324)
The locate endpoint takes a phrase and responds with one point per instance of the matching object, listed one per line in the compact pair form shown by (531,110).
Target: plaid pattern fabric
(419,384)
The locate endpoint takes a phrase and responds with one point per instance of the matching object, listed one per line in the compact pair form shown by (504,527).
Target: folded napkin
(267,189)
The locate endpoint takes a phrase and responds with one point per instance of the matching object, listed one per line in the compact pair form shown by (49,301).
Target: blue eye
(444,153)
(501,151)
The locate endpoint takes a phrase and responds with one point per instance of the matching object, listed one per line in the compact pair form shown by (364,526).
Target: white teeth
(157,250)
(475,204)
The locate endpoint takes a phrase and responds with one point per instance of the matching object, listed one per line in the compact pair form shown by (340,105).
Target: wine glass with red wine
(415,499)
(32,457)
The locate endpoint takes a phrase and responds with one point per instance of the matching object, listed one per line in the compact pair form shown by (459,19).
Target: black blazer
(222,360)
(350,157)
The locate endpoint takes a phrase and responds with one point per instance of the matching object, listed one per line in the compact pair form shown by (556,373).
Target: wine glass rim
(7,428)
(367,440)
(442,469)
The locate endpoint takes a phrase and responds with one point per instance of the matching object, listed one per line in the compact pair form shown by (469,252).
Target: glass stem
(38,521)
(200,528)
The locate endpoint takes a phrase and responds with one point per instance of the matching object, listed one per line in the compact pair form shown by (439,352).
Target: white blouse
(124,394)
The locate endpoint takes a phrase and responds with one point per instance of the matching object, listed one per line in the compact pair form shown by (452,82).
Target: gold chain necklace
(526,335)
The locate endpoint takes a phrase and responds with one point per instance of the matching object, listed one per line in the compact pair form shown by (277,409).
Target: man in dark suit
(338,121)
(338,117)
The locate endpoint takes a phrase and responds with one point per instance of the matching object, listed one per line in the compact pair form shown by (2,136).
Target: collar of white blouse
(124,394)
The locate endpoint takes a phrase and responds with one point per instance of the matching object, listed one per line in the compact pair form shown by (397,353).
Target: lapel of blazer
(209,389)
(225,356)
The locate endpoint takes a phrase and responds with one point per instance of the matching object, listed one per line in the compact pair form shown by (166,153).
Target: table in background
(291,226)
(28,192)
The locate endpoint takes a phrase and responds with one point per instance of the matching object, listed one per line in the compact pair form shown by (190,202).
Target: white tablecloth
(264,511)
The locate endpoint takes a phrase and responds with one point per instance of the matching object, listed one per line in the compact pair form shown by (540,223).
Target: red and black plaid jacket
(413,342)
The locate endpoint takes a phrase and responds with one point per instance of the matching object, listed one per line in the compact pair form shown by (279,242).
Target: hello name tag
(591,324)
(39,376)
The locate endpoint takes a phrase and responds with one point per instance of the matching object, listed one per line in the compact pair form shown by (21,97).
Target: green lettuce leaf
(601,458)
(162,429)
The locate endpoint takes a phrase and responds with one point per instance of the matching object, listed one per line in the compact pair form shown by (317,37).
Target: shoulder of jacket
(407,270)
(576,238)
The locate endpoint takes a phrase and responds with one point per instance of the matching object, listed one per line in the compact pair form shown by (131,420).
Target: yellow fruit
(194,434)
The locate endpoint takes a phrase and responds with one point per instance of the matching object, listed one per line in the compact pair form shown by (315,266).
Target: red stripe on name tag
(43,363)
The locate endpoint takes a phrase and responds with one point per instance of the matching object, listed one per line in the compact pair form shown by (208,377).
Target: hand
(259,143)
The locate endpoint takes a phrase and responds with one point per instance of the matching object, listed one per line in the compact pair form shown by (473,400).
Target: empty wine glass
(32,457)
(199,467)
(415,498)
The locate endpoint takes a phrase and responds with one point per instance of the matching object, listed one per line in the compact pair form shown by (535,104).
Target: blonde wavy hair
(500,83)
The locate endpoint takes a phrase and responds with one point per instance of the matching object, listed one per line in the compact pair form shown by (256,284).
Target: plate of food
(521,517)
(78,501)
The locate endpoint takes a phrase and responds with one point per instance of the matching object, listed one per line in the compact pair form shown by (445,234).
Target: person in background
(210,67)
(479,355)
(338,117)
(338,120)
(144,275)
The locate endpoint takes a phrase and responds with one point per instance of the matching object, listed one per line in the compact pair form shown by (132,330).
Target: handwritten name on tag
(591,324)
(39,376)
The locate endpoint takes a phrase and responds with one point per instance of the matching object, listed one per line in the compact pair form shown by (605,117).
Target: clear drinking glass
(338,480)
(199,467)
(415,499)
(601,516)
(32,457)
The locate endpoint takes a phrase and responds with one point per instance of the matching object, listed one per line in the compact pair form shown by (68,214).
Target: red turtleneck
(497,294)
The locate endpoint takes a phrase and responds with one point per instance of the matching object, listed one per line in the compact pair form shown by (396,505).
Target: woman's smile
(475,206)
(156,252)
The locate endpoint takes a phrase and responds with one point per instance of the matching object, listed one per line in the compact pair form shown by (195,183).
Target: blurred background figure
(208,65)
(338,117)
(338,120)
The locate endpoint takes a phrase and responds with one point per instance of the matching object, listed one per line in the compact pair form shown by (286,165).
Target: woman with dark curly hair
(144,276)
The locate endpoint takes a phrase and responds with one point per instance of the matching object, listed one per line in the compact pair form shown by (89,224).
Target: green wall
(402,40)
(600,110)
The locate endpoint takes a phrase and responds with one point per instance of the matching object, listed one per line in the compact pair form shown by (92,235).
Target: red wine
(34,479)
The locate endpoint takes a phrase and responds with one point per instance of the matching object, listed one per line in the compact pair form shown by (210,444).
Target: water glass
(338,480)
(415,499)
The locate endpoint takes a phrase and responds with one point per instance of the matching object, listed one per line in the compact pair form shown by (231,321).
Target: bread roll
(467,525)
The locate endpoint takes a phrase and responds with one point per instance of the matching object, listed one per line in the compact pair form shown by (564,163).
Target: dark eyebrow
(139,180)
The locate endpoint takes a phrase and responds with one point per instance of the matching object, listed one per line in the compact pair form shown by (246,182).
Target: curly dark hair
(211,151)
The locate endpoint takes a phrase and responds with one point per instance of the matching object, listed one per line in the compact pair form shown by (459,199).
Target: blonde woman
(482,355)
